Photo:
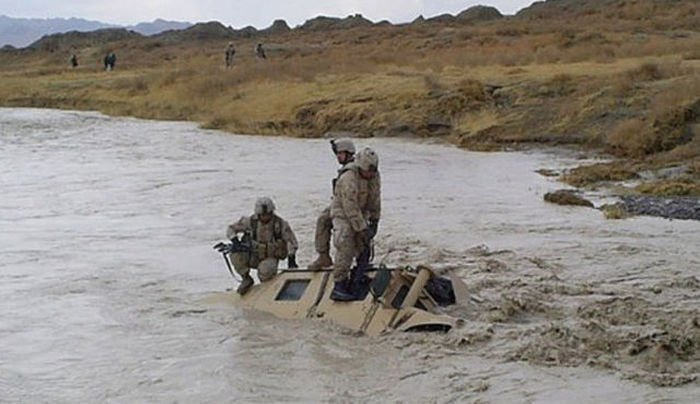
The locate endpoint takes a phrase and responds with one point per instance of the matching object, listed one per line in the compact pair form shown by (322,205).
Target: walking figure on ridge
(260,52)
(229,53)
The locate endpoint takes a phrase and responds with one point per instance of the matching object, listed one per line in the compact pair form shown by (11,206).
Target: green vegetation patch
(676,187)
(615,211)
(595,173)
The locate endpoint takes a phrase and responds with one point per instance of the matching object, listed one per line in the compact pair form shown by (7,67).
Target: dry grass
(681,91)
(679,187)
(614,211)
(633,138)
(595,173)
(694,168)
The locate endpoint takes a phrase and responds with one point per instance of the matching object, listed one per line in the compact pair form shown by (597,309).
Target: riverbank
(605,84)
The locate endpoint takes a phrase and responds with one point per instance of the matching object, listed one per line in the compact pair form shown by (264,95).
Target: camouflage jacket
(274,239)
(356,199)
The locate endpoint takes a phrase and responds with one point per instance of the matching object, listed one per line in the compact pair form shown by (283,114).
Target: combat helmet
(264,205)
(343,145)
(367,160)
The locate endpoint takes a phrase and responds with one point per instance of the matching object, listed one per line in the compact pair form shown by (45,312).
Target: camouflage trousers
(267,268)
(345,248)
(324,224)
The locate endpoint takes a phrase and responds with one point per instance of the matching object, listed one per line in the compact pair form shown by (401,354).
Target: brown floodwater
(111,292)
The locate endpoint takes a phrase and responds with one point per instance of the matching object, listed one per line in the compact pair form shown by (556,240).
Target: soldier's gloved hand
(223,248)
(292,262)
(374,227)
(230,233)
(363,238)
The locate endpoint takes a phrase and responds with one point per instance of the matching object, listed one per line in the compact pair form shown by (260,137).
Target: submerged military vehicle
(396,299)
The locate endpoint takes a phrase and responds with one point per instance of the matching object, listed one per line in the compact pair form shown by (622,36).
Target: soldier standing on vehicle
(344,150)
(272,239)
(230,52)
(355,212)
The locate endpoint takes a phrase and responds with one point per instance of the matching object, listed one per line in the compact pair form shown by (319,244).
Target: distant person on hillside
(74,60)
(230,52)
(260,52)
(110,61)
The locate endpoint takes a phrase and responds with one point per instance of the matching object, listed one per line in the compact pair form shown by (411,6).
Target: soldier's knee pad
(267,269)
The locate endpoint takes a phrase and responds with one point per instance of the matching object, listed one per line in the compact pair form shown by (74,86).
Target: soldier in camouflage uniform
(344,150)
(272,240)
(229,54)
(260,52)
(355,211)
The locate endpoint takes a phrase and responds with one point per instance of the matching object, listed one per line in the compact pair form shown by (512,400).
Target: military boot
(341,292)
(246,283)
(323,261)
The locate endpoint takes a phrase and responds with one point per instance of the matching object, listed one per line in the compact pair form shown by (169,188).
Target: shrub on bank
(632,138)
(615,211)
(591,174)
(694,168)
(679,187)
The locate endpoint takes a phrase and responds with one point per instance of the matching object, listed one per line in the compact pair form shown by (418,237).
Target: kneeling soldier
(272,239)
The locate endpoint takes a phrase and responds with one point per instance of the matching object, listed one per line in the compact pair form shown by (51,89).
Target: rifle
(244,245)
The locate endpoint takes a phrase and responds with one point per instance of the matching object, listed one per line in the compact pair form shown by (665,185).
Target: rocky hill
(76,39)
(479,13)
(202,31)
(158,26)
(665,14)
(323,23)
(17,32)
(20,32)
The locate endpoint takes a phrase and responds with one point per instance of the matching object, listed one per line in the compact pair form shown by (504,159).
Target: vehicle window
(293,289)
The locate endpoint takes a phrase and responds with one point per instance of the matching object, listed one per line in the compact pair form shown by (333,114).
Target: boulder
(420,20)
(479,13)
(323,23)
(277,27)
(246,32)
(76,39)
(567,197)
(353,21)
(201,31)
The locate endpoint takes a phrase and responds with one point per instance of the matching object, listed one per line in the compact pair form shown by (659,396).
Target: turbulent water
(111,292)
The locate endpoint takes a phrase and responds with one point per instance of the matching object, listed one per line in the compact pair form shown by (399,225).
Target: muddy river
(111,292)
